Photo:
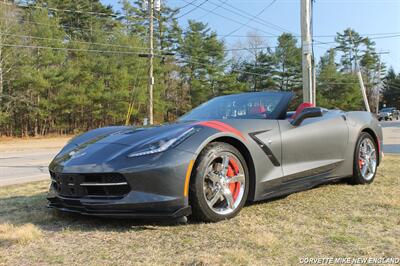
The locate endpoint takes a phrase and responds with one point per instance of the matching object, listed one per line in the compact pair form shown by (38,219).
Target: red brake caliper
(233,170)
(360,163)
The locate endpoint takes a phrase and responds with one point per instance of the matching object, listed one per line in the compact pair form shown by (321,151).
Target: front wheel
(365,160)
(220,183)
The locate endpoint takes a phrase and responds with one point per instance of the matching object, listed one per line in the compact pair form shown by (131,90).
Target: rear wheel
(365,160)
(220,183)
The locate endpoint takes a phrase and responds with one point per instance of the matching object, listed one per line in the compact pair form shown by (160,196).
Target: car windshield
(262,105)
(386,110)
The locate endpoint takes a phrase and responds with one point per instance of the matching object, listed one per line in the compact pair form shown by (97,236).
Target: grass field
(336,220)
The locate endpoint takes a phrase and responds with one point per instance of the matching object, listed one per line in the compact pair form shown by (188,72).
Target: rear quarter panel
(359,121)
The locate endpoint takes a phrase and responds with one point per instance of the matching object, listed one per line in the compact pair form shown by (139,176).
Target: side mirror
(307,113)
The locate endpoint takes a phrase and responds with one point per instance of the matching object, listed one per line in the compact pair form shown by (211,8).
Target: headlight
(164,143)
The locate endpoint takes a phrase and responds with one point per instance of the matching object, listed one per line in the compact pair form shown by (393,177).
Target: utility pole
(359,75)
(150,8)
(306,46)
(314,83)
(380,80)
(363,92)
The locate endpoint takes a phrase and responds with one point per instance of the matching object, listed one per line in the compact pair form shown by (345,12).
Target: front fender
(201,140)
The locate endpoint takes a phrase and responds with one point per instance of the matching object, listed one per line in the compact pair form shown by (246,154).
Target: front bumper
(119,208)
(155,183)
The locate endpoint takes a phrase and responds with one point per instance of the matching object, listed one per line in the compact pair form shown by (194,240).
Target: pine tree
(202,55)
(337,89)
(349,44)
(391,92)
(288,66)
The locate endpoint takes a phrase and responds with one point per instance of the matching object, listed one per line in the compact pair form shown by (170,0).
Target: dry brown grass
(337,220)
(21,234)
(31,143)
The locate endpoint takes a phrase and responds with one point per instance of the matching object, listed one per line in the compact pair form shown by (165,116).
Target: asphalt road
(23,166)
(29,162)
(391,136)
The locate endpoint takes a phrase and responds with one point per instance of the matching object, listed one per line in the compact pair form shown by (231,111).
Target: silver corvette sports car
(229,150)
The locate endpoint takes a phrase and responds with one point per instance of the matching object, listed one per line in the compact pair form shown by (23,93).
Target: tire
(213,195)
(365,166)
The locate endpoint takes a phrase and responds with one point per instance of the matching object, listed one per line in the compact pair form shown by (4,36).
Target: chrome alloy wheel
(367,159)
(224,183)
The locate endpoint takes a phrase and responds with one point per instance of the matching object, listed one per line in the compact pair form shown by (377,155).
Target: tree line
(70,66)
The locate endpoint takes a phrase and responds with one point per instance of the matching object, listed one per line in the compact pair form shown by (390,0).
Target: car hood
(113,141)
(136,136)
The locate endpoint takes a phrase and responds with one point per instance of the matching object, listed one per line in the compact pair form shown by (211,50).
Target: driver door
(314,147)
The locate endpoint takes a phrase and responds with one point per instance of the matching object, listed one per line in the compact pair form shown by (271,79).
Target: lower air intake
(81,185)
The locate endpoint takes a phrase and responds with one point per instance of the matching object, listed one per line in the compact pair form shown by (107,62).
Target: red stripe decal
(222,127)
(230,129)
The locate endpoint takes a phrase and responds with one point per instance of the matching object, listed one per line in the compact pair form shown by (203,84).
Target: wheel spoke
(214,200)
(213,177)
(364,168)
(363,149)
(236,178)
(228,197)
(225,164)
(371,167)
(371,153)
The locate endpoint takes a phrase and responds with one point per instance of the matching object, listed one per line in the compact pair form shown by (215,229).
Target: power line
(124,46)
(261,21)
(225,17)
(268,47)
(62,26)
(184,6)
(361,34)
(70,49)
(73,41)
(253,18)
(61,10)
(298,36)
(208,64)
(144,48)
(385,37)
(193,9)
(262,75)
(215,8)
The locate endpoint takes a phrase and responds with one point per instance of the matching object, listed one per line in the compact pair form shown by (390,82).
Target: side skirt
(299,185)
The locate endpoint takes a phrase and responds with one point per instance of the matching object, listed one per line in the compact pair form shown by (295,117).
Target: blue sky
(330,16)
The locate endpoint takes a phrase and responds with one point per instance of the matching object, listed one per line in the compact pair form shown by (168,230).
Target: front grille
(80,185)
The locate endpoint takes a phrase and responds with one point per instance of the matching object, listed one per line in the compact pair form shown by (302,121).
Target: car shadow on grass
(342,181)
(21,210)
